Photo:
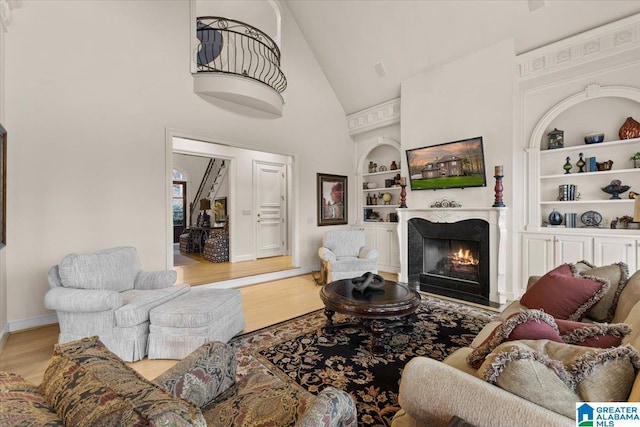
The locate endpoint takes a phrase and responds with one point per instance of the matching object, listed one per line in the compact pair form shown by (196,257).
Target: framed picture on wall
(332,199)
(3,186)
(220,209)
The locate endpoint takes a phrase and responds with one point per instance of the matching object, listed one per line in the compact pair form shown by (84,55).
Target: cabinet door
(609,250)
(370,239)
(571,249)
(394,249)
(388,249)
(537,255)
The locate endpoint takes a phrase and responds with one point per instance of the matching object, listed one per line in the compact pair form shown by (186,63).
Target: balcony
(239,63)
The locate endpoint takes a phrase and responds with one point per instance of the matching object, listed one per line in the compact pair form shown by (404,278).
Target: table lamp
(204,220)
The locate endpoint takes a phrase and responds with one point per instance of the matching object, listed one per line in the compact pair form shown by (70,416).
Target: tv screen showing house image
(456,164)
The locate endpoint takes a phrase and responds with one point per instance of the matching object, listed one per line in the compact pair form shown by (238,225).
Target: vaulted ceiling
(405,37)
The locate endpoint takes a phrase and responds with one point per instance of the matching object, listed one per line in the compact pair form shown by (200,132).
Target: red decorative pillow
(563,295)
(601,335)
(526,325)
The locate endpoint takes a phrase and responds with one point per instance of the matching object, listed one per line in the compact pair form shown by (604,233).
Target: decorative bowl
(593,138)
(372,185)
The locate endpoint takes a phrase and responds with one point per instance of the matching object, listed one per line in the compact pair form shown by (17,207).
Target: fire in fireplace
(450,259)
(460,263)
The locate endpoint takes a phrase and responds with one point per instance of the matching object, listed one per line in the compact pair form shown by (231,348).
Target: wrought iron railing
(233,47)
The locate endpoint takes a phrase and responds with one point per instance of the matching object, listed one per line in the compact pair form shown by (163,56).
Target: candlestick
(403,193)
(498,203)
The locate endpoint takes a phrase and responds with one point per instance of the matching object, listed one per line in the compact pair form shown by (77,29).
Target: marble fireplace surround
(496,217)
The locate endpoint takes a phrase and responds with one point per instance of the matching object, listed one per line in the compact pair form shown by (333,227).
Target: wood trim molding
(380,115)
(611,39)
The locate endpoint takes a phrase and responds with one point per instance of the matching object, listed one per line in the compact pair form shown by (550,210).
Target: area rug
(299,351)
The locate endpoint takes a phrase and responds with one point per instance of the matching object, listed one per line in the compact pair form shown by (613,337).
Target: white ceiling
(349,37)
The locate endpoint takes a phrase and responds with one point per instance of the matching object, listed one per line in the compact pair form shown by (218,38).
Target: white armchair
(106,294)
(344,255)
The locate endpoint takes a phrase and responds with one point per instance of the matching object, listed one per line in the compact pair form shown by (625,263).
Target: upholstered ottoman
(185,323)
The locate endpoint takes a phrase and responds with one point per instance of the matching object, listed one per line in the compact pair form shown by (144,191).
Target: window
(179,199)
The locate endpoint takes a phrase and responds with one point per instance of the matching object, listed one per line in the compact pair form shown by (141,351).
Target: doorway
(258,211)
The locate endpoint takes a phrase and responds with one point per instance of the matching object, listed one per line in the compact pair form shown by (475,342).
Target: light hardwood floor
(199,271)
(28,352)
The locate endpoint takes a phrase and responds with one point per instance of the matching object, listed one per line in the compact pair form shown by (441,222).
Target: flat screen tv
(456,164)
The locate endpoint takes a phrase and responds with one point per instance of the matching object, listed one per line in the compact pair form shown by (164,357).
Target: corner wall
(88,112)
(469,97)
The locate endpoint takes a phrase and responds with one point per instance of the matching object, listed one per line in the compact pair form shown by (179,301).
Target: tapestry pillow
(237,406)
(202,375)
(532,375)
(582,374)
(89,385)
(22,404)
(563,295)
(529,324)
(602,335)
(617,275)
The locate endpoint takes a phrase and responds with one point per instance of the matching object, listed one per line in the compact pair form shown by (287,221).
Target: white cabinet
(571,249)
(608,250)
(384,238)
(388,249)
(542,252)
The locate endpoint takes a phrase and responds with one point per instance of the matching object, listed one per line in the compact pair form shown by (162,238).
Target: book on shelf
(567,192)
(571,220)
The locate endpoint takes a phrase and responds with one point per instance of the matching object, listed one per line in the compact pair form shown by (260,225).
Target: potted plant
(636,159)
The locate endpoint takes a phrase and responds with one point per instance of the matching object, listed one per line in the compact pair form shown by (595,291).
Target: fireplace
(450,259)
(455,252)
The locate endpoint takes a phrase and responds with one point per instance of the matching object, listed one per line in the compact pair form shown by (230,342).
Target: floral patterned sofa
(86,384)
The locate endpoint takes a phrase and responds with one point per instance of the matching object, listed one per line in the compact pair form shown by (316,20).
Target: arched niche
(379,142)
(591,92)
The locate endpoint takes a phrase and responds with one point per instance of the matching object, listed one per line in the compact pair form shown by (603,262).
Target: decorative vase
(630,129)
(567,166)
(580,163)
(393,166)
(555,217)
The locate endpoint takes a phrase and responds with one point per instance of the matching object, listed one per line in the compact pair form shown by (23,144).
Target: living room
(92,99)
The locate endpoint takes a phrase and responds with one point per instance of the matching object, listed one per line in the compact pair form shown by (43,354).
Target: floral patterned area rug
(301,352)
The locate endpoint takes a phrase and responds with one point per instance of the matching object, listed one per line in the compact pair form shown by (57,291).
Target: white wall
(470,97)
(88,106)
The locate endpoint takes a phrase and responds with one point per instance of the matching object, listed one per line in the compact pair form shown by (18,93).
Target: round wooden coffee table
(378,310)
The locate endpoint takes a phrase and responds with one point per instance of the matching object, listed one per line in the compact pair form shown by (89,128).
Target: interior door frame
(184,142)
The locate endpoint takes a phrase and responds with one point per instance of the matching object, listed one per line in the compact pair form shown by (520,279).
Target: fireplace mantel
(496,217)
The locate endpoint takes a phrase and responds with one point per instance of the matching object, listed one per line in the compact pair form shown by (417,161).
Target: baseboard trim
(4,336)
(252,280)
(32,322)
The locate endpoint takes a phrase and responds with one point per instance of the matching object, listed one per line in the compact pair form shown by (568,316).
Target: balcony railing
(233,47)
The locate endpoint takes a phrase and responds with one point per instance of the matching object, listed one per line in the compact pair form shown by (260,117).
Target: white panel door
(571,249)
(609,250)
(271,203)
(537,255)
